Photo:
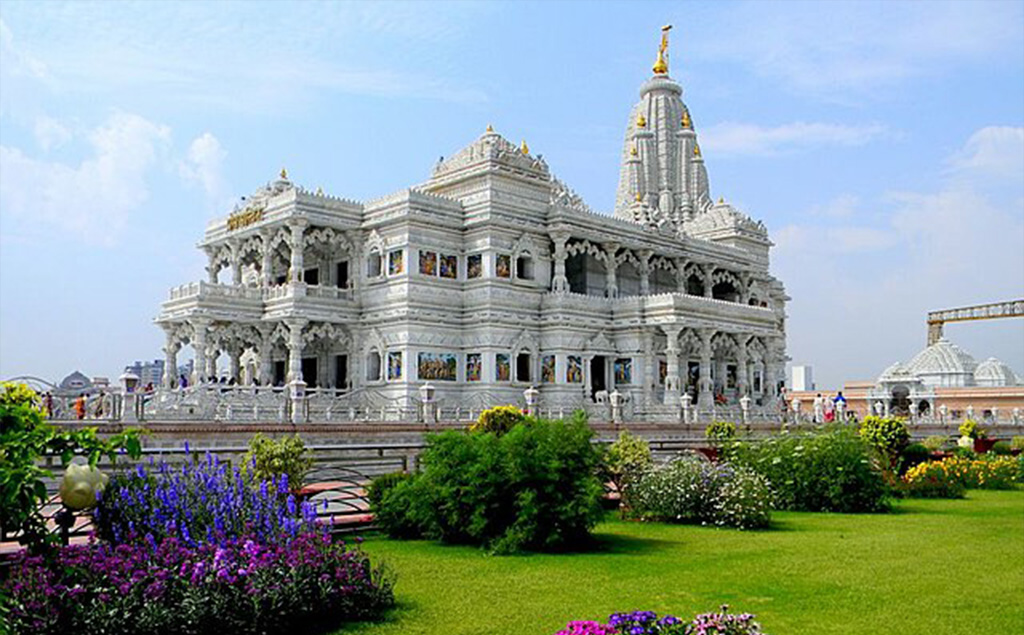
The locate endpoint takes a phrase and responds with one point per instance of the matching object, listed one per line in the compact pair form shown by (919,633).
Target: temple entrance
(279,373)
(341,371)
(309,372)
(598,379)
(899,405)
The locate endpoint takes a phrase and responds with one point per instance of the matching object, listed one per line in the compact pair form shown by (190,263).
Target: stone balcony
(231,302)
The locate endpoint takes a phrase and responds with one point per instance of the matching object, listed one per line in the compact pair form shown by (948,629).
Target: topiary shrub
(720,432)
(1002,448)
(828,469)
(887,436)
(690,490)
(268,459)
(935,443)
(498,420)
(532,488)
(625,461)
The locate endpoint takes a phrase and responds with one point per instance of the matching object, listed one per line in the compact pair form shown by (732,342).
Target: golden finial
(525,149)
(284,174)
(319,191)
(490,128)
(696,149)
(686,119)
(638,197)
(661,66)
(641,121)
(721,200)
(632,151)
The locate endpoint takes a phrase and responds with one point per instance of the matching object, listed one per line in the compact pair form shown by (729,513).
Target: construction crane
(936,319)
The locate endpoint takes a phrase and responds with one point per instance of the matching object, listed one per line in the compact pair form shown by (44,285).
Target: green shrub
(1017,443)
(1020,468)
(964,452)
(972,429)
(268,459)
(720,432)
(498,420)
(626,459)
(534,487)
(935,443)
(1001,448)
(690,490)
(887,436)
(827,469)
(382,485)
(937,479)
(913,454)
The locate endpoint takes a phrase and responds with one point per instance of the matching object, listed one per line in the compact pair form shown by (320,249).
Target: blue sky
(882,144)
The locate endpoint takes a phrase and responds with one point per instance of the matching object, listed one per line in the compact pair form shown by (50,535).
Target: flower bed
(949,477)
(242,586)
(648,623)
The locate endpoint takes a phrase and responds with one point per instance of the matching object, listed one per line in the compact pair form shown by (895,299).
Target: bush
(648,623)
(168,587)
(625,461)
(1020,468)
(691,490)
(887,437)
(719,432)
(914,454)
(26,437)
(933,480)
(534,487)
(828,469)
(382,485)
(198,502)
(935,443)
(1002,448)
(498,420)
(268,459)
(1017,443)
(970,428)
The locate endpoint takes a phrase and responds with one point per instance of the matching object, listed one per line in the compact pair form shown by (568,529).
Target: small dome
(944,364)
(897,373)
(993,372)
(724,216)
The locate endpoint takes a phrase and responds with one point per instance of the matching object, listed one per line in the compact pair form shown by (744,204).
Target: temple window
(341,274)
(524,267)
(725,291)
(374,266)
(694,285)
(523,367)
(311,276)
(373,366)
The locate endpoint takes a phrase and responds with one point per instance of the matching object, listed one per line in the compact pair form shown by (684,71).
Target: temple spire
(661,65)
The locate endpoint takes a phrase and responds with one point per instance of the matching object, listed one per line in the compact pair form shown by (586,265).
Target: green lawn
(930,567)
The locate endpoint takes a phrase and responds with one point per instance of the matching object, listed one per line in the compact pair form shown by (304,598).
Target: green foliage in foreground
(812,574)
(269,458)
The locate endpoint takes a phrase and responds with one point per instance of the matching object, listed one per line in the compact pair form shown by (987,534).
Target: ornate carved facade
(493,276)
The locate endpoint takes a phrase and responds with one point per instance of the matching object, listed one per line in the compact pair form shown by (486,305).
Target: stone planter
(981,446)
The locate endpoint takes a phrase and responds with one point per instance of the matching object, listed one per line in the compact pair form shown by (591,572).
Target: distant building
(147,372)
(803,378)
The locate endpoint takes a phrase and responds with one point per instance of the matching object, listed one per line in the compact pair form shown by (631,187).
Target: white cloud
(14,61)
(730,138)
(93,199)
(50,133)
(204,166)
(993,152)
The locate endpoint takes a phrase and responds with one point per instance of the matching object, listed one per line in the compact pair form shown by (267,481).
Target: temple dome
(723,216)
(993,372)
(897,373)
(944,364)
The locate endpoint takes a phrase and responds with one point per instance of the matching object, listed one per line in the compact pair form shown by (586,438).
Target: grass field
(935,567)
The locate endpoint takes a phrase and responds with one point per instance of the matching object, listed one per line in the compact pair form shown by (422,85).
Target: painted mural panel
(474,365)
(394,365)
(449,267)
(624,370)
(503,266)
(502,367)
(428,263)
(574,369)
(474,266)
(547,369)
(396,262)
(437,366)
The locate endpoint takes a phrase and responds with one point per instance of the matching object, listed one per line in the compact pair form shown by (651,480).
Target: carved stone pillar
(297,243)
(744,290)
(236,264)
(680,275)
(705,398)
(267,262)
(672,359)
(708,271)
(266,364)
(212,354)
(199,368)
(559,282)
(611,286)
(295,345)
(213,268)
(645,271)
(742,387)
(650,379)
(170,358)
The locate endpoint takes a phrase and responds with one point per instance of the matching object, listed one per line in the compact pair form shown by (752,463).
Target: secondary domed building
(488,278)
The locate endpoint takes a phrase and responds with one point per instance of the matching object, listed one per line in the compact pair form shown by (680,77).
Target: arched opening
(663,281)
(924,407)
(899,405)
(373,366)
(724,290)
(524,267)
(694,285)
(628,279)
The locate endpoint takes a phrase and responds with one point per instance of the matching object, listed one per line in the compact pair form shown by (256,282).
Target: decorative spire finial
(641,121)
(661,66)
(638,197)
(632,151)
(696,149)
(686,120)
(319,191)
(490,128)
(284,174)
(721,200)
(525,149)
